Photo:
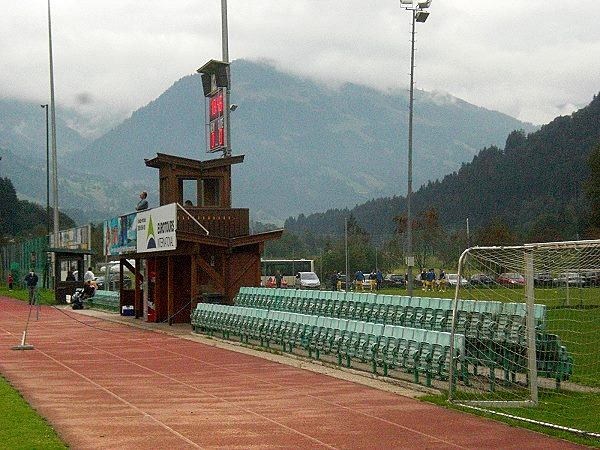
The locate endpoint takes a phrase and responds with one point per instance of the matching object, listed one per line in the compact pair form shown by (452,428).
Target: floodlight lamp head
(421,16)
(407,3)
(424,4)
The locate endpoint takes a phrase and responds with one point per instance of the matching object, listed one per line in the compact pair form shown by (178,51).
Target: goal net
(531,318)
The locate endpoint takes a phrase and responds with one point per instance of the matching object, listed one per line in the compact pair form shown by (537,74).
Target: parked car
(452,280)
(511,279)
(570,278)
(307,280)
(394,280)
(592,278)
(113,284)
(542,279)
(481,279)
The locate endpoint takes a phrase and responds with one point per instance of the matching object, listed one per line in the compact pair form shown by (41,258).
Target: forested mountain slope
(535,182)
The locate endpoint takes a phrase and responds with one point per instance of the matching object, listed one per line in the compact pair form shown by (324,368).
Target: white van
(307,280)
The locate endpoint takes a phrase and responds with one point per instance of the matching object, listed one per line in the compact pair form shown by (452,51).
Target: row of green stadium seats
(107,300)
(552,359)
(292,300)
(415,350)
(416,312)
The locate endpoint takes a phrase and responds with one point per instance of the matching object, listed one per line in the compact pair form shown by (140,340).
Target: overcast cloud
(532,59)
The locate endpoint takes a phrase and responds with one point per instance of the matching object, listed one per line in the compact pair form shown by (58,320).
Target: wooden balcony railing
(220,222)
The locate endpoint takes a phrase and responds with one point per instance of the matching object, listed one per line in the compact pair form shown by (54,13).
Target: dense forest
(544,186)
(21,219)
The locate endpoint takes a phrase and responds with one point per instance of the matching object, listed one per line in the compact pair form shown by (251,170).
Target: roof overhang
(71,251)
(163,159)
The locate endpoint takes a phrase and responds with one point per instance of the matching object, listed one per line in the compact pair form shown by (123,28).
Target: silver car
(307,280)
(453,280)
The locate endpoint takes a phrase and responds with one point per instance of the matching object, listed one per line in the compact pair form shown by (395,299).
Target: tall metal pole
(225,45)
(53,114)
(346,247)
(468,235)
(409,243)
(47,194)
(224,31)
(47,173)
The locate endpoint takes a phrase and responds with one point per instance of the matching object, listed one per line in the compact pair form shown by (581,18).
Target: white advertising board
(157,229)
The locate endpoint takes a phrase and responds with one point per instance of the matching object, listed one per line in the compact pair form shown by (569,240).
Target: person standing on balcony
(143,203)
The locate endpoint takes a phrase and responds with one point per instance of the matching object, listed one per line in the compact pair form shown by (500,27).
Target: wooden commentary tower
(194,247)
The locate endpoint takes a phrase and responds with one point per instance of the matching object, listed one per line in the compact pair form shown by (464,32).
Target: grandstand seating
(416,351)
(490,327)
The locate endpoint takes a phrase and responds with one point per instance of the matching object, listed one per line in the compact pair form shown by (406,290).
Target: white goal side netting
(531,318)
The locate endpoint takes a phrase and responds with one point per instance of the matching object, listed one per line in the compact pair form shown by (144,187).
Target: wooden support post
(195,282)
(156,292)
(121,287)
(170,290)
(138,292)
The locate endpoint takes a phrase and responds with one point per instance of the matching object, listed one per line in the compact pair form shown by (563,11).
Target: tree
(592,190)
(21,218)
(8,203)
(497,232)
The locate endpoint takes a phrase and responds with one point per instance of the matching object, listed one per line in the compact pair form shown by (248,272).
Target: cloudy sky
(532,59)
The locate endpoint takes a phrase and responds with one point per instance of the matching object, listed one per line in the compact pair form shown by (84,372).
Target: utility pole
(418,15)
(53,115)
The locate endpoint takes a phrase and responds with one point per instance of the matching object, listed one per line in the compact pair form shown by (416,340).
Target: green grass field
(548,410)
(20,426)
(579,331)
(574,315)
(46,296)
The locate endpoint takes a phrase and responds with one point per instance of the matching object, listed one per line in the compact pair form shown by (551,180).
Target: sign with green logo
(157,229)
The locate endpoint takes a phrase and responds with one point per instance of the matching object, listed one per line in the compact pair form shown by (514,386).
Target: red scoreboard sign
(217,120)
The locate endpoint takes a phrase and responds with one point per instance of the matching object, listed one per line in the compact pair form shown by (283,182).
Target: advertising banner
(157,229)
(120,235)
(74,238)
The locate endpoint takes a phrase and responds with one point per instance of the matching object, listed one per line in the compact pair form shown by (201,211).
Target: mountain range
(535,184)
(308,147)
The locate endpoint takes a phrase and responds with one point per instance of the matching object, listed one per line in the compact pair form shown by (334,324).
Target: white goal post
(530,315)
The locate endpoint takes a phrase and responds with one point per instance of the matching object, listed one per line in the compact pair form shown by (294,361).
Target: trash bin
(214,298)
(60,295)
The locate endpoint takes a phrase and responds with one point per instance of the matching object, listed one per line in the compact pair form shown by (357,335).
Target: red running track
(107,385)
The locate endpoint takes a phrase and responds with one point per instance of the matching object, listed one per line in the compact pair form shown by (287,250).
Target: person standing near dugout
(31,280)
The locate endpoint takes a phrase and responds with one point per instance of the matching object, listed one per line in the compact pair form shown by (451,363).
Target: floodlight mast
(225,54)
(418,15)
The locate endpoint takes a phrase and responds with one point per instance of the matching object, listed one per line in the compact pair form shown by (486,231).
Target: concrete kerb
(183,331)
